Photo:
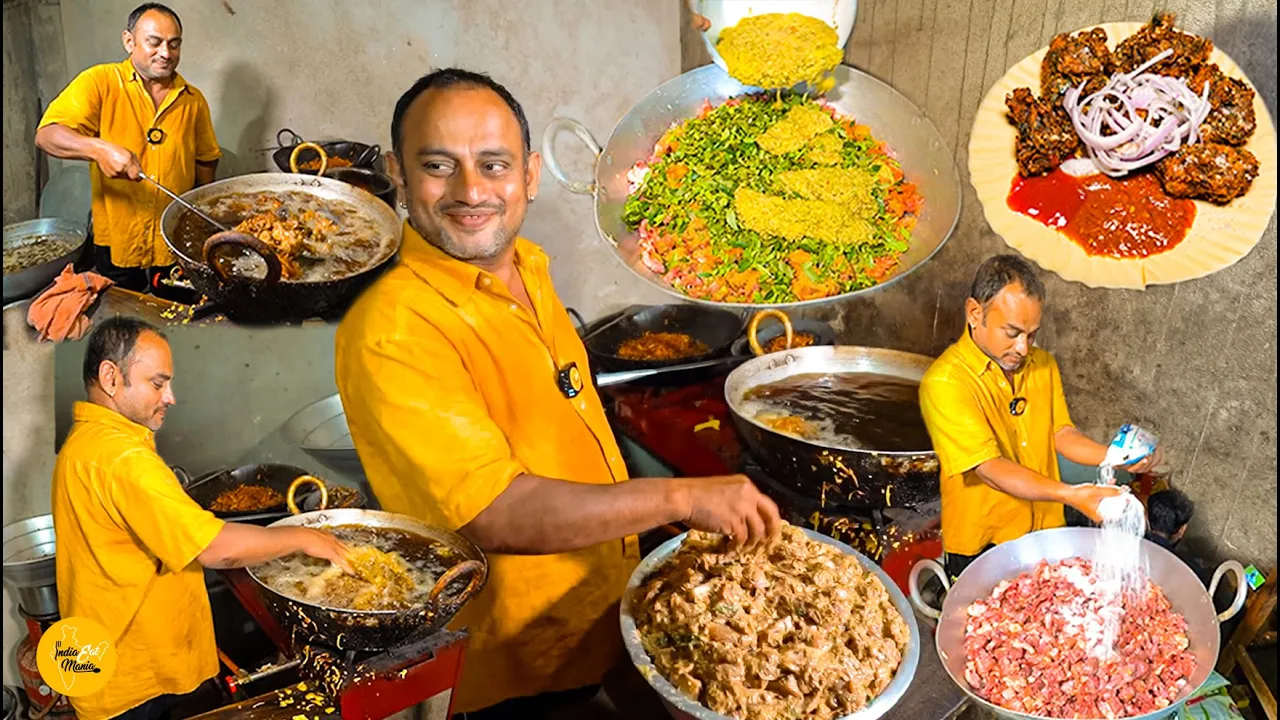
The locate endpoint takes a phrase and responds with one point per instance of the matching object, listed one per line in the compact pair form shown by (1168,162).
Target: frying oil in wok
(317,581)
(865,411)
(356,245)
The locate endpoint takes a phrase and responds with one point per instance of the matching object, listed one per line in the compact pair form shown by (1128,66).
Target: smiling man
(997,416)
(469,400)
(134,116)
(131,544)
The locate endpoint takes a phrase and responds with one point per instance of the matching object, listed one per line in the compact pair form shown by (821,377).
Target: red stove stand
(386,683)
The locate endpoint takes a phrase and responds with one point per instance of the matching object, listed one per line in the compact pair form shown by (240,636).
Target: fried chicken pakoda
(1046,138)
(1189,51)
(1232,120)
(1208,171)
(290,235)
(1075,59)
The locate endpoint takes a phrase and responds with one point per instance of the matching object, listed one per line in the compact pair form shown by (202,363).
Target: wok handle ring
(245,242)
(306,480)
(294,138)
(293,157)
(754,327)
(184,477)
(1242,588)
(554,128)
(474,567)
(913,583)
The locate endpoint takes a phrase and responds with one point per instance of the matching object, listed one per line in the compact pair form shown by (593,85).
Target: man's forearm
(205,172)
(1013,479)
(541,516)
(241,545)
(1078,447)
(64,143)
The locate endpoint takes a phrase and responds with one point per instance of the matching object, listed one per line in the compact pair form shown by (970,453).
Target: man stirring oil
(470,404)
(996,414)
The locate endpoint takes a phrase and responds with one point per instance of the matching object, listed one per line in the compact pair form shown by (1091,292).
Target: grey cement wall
(1195,362)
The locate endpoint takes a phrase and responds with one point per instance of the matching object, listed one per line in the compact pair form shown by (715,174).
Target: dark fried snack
(1075,59)
(1208,171)
(1231,121)
(1189,51)
(1046,138)
(245,498)
(798,340)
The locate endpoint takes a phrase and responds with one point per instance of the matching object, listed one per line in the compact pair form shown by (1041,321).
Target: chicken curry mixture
(794,630)
(662,346)
(245,498)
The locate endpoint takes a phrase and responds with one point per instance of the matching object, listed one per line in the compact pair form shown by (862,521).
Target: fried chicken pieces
(1216,169)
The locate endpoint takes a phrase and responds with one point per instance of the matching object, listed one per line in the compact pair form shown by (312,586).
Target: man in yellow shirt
(997,416)
(132,544)
(467,392)
(130,117)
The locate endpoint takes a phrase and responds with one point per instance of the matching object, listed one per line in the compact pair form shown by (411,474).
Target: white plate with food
(1126,155)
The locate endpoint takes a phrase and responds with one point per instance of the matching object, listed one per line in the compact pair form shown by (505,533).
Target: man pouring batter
(997,416)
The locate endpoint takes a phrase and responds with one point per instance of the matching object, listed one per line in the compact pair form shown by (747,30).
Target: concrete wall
(1195,362)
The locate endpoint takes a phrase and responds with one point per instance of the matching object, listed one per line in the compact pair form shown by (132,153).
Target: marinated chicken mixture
(798,340)
(247,498)
(1075,59)
(662,346)
(1033,647)
(1189,51)
(1204,167)
(795,630)
(779,50)
(1208,171)
(1046,138)
(290,235)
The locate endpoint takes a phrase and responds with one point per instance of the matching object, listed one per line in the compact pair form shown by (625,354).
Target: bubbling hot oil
(355,246)
(312,580)
(863,411)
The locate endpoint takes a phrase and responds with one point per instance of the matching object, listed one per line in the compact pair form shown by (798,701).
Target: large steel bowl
(682,707)
(1008,560)
(30,564)
(926,160)
(29,281)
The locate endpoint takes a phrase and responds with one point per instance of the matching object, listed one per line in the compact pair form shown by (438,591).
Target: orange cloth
(58,312)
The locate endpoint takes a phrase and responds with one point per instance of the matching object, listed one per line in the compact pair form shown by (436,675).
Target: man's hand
(323,545)
(732,506)
(117,162)
(1085,498)
(701,23)
(1147,463)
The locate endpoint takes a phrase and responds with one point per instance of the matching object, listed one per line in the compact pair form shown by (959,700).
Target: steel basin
(681,706)
(1008,560)
(30,565)
(29,281)
(926,160)
(320,430)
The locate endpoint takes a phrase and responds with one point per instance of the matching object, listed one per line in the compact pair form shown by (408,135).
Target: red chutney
(1128,217)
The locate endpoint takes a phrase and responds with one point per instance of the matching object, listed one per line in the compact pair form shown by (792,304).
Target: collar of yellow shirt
(92,412)
(175,91)
(978,362)
(457,279)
